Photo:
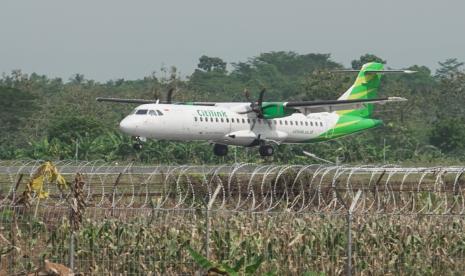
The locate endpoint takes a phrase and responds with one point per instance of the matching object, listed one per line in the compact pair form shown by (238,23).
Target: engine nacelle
(274,110)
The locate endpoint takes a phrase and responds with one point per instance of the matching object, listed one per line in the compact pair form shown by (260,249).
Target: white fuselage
(222,125)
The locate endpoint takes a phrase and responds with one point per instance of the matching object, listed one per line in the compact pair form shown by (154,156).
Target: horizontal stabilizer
(342,102)
(336,105)
(375,71)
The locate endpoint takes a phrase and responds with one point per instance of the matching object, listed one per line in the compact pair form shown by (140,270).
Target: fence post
(16,187)
(12,257)
(71,251)
(113,193)
(207,232)
(349,232)
(349,243)
(207,218)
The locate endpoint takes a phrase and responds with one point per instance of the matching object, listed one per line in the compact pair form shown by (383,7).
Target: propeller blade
(247,94)
(260,98)
(253,124)
(259,108)
(169,95)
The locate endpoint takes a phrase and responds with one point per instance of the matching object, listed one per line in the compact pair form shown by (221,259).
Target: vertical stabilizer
(365,87)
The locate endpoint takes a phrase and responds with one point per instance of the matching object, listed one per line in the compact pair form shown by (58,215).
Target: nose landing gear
(137,146)
(138,143)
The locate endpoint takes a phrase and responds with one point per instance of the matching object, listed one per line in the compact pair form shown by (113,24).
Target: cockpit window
(159,113)
(152,112)
(141,112)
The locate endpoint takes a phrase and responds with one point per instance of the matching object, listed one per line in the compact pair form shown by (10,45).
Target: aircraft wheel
(137,146)
(266,150)
(220,150)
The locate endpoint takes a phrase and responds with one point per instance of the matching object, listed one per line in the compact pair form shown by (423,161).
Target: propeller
(169,95)
(255,106)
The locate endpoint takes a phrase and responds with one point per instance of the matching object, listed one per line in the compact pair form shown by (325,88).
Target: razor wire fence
(332,219)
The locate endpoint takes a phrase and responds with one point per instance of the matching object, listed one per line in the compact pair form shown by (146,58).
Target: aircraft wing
(143,101)
(119,100)
(334,105)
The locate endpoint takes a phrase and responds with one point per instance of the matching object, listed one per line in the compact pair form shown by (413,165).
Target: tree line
(51,118)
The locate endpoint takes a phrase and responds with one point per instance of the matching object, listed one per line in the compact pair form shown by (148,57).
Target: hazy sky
(129,39)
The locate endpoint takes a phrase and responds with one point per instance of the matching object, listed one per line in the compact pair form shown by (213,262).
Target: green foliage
(448,68)
(68,129)
(16,106)
(424,129)
(357,63)
(209,64)
(448,135)
(239,268)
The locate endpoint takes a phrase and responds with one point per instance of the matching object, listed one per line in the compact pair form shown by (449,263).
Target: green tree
(16,107)
(357,63)
(209,64)
(448,135)
(69,128)
(448,68)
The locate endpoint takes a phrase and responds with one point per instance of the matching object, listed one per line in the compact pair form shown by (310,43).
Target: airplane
(260,123)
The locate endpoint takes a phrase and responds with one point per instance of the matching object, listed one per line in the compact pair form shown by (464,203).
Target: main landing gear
(220,150)
(266,150)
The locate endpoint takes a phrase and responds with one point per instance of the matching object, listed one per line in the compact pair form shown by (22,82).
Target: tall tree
(209,64)
(357,63)
(448,68)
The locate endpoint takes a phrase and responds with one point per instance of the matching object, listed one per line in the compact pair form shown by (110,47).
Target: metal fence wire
(141,220)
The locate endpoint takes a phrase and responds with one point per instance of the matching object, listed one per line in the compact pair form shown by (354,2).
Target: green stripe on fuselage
(347,125)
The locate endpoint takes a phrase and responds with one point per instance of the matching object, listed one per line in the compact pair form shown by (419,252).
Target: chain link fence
(295,219)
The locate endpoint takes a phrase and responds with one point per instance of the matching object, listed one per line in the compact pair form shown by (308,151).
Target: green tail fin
(365,87)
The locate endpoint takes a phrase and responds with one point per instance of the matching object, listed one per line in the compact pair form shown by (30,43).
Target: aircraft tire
(220,150)
(266,150)
(137,146)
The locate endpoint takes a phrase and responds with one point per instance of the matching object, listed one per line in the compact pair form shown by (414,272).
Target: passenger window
(216,120)
(306,123)
(232,120)
(211,120)
(285,122)
(321,124)
(248,121)
(195,119)
(227,120)
(280,122)
(141,112)
(311,123)
(296,123)
(159,113)
(222,120)
(301,123)
(243,121)
(201,119)
(290,122)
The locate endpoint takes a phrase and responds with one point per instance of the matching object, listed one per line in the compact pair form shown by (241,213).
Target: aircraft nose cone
(126,126)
